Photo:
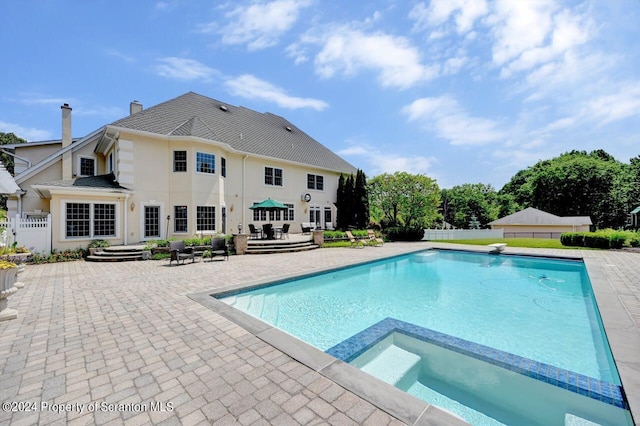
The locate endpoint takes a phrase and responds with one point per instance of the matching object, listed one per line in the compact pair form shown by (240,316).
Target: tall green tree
(7,160)
(341,216)
(6,139)
(403,199)
(577,183)
(360,201)
(481,201)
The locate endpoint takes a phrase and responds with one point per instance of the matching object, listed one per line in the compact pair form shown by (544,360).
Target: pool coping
(620,331)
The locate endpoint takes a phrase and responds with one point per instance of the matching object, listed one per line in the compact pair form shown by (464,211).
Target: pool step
(392,364)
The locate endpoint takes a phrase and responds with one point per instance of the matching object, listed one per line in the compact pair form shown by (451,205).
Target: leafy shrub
(57,256)
(404,234)
(634,240)
(566,238)
(617,239)
(334,235)
(160,256)
(597,240)
(99,244)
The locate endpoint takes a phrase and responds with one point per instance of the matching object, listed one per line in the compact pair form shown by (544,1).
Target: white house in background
(188,166)
(533,222)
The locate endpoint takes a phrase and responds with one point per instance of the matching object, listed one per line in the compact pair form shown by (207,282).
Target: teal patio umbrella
(269,205)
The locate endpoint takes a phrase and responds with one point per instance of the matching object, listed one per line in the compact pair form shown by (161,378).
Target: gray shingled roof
(107,181)
(245,130)
(532,216)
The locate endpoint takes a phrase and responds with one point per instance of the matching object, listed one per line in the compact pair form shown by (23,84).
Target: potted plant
(97,245)
(146,250)
(8,272)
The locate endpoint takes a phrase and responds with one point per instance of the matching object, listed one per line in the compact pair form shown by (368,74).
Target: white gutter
(17,156)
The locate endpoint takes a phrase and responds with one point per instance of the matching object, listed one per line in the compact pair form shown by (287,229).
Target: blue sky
(464,91)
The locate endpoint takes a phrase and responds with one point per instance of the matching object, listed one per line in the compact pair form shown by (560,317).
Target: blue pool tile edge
(356,345)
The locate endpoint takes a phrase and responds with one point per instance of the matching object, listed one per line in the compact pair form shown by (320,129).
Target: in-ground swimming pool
(536,309)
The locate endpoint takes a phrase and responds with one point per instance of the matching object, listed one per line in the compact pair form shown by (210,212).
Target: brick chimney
(67,164)
(135,107)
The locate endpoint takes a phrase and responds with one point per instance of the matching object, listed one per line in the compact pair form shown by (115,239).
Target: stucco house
(532,222)
(189,166)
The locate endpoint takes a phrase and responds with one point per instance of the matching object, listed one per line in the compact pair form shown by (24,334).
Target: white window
(206,218)
(86,166)
(288,214)
(179,161)
(315,182)
(205,163)
(90,220)
(272,176)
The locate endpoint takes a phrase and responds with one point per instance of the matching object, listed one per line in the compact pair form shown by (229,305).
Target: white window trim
(274,178)
(163,218)
(92,236)
(79,161)
(111,162)
(215,222)
(173,219)
(324,180)
(196,164)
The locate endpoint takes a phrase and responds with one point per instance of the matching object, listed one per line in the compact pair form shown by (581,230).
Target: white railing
(461,234)
(34,234)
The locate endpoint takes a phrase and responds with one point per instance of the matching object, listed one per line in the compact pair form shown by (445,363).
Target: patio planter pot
(8,273)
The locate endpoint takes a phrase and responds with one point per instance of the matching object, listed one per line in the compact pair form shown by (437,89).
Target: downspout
(125,217)
(20,194)
(244,169)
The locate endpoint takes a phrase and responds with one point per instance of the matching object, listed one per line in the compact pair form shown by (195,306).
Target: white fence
(461,234)
(34,234)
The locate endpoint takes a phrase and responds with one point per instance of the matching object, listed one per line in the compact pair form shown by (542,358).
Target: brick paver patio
(121,343)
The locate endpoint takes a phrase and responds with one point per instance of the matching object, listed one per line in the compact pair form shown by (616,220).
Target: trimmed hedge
(604,239)
(404,234)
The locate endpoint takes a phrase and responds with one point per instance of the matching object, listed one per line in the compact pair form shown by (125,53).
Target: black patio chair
(254,232)
(284,232)
(219,248)
(267,231)
(179,251)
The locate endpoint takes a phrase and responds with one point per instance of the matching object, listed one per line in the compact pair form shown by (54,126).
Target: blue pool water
(536,308)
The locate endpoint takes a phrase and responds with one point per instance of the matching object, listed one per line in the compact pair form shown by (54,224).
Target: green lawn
(516,242)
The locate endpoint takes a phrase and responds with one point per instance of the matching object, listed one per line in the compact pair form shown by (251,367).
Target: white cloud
(184,69)
(384,162)
(623,103)
(349,51)
(451,122)
(116,54)
(464,12)
(251,87)
(28,133)
(530,34)
(260,25)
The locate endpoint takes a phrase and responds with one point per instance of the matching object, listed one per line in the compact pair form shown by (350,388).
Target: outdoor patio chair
(284,231)
(306,227)
(255,232)
(373,240)
(267,231)
(179,251)
(219,248)
(358,243)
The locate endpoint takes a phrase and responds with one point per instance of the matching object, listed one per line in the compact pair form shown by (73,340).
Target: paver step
(105,258)
(280,249)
